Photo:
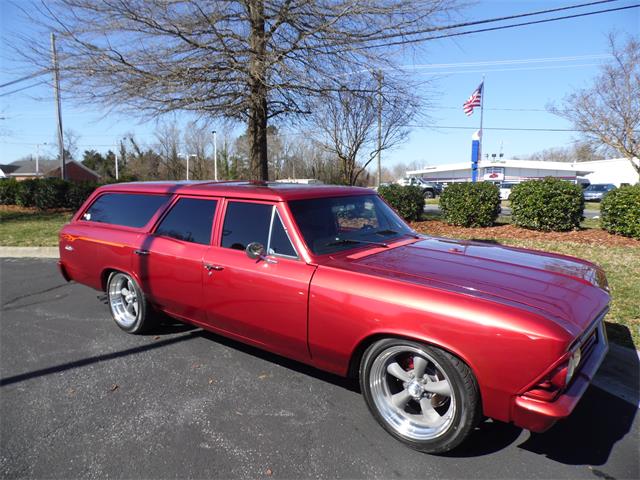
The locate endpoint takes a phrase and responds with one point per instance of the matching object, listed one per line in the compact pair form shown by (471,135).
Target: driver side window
(246,223)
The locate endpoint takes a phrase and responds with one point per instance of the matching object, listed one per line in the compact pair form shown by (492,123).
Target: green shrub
(470,204)
(51,193)
(8,191)
(78,193)
(408,201)
(620,211)
(547,205)
(25,195)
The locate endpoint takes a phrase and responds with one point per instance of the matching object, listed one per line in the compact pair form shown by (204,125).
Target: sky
(525,69)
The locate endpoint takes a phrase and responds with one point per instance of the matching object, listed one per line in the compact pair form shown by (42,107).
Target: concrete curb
(29,252)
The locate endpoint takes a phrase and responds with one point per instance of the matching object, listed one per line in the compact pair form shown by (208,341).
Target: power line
(514,61)
(515,129)
(23,79)
(21,89)
(491,29)
(479,22)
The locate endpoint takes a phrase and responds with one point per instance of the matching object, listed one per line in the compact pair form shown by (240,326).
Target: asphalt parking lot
(80,398)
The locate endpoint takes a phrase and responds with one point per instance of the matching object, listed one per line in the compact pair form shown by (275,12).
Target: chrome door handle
(210,267)
(68,248)
(141,252)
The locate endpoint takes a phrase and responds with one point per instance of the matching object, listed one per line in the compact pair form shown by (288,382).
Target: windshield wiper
(388,231)
(343,241)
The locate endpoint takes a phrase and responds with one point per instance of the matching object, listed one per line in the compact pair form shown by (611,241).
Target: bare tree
(168,136)
(247,60)
(608,112)
(348,120)
(198,142)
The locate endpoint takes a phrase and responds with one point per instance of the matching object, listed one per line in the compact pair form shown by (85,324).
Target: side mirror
(256,251)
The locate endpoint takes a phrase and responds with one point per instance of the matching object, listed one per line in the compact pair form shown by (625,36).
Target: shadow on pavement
(95,359)
(600,420)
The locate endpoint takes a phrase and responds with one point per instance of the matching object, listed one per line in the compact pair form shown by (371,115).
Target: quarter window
(245,223)
(190,219)
(126,209)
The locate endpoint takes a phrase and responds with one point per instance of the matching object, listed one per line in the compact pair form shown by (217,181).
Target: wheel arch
(107,271)
(358,352)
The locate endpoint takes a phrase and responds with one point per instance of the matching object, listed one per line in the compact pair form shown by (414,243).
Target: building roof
(28,167)
(249,190)
(509,163)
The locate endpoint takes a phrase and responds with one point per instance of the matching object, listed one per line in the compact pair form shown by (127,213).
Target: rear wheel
(429,194)
(423,396)
(127,302)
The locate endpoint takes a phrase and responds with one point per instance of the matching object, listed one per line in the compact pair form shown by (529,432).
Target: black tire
(136,319)
(462,415)
(429,194)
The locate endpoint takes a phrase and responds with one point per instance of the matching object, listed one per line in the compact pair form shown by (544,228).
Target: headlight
(574,361)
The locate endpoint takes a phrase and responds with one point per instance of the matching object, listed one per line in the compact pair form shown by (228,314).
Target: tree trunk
(259,168)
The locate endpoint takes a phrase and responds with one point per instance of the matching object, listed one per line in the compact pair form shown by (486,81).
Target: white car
(505,190)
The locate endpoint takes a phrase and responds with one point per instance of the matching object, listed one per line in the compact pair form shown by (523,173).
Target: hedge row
(549,205)
(45,193)
(620,211)
(408,201)
(470,204)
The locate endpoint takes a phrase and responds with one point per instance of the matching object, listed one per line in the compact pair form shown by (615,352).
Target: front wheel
(127,303)
(423,396)
(429,194)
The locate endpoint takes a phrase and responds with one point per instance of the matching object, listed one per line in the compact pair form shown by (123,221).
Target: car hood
(564,289)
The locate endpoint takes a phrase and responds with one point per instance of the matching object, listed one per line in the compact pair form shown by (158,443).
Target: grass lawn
(31,228)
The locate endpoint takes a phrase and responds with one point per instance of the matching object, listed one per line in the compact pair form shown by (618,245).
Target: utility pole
(56,90)
(116,157)
(379,75)
(215,157)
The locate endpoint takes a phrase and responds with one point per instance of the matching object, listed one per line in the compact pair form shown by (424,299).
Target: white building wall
(616,171)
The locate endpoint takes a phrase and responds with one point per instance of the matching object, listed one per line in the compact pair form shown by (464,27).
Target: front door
(170,259)
(263,301)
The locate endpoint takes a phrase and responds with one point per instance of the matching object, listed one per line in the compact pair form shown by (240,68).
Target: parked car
(438,332)
(505,190)
(429,189)
(597,191)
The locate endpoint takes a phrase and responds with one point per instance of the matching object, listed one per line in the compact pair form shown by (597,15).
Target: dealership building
(616,171)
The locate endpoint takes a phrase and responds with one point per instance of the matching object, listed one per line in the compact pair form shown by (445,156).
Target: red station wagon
(439,332)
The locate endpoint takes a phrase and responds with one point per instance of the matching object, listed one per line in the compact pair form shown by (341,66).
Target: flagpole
(482,98)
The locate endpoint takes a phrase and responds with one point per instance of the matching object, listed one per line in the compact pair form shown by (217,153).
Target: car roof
(256,190)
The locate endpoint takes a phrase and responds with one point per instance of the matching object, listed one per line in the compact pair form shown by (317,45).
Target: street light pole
(115,154)
(215,157)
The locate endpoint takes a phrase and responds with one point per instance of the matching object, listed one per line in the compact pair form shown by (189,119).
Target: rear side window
(126,209)
(245,223)
(190,219)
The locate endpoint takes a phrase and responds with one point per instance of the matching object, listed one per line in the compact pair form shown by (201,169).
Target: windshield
(598,188)
(331,225)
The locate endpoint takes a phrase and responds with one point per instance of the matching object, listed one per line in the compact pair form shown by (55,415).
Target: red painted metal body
(511,314)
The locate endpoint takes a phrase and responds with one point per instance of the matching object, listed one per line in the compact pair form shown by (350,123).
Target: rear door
(169,260)
(263,301)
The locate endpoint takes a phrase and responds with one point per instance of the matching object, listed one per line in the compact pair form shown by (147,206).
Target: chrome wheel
(123,300)
(412,393)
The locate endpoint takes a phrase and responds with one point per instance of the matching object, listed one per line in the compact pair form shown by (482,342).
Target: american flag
(474,100)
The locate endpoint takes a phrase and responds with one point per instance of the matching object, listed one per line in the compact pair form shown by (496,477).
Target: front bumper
(537,415)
